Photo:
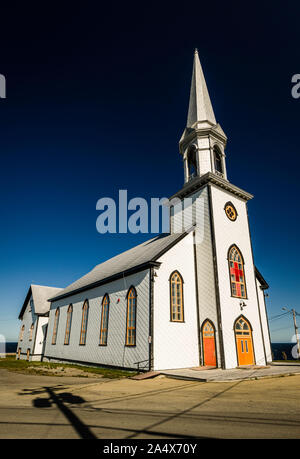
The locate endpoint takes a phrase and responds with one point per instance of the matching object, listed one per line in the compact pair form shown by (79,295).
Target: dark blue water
(279,348)
(11,347)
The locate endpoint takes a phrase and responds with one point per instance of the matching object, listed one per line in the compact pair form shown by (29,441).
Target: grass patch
(42,368)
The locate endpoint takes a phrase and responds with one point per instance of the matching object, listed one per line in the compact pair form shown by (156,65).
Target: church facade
(34,321)
(186,299)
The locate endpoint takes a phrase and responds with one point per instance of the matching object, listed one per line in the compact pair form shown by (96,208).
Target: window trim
(230,280)
(127,316)
(102,329)
(218,152)
(83,332)
(55,326)
(182,298)
(31,332)
(68,325)
(192,150)
(22,332)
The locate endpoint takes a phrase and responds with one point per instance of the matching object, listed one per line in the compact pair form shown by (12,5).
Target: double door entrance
(243,339)
(244,343)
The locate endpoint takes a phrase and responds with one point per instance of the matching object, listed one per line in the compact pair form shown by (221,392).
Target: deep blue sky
(97,101)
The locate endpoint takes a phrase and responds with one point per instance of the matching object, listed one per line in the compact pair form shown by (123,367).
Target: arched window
(131,318)
(85,312)
(218,161)
(31,332)
(242,327)
(176,300)
(236,272)
(55,326)
(68,324)
(22,332)
(192,162)
(104,321)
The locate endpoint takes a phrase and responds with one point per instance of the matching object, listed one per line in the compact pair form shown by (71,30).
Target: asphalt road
(60,407)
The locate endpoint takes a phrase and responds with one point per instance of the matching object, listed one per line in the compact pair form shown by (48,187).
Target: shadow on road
(60,400)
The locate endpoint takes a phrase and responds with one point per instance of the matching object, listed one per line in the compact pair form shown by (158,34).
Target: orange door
(28,354)
(19,352)
(209,347)
(244,343)
(245,351)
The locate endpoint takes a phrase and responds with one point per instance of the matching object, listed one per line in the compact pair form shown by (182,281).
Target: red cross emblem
(239,276)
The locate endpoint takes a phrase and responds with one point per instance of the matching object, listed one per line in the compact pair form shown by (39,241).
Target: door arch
(244,342)
(209,344)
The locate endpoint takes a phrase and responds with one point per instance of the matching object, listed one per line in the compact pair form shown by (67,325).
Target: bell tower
(203,141)
(227,287)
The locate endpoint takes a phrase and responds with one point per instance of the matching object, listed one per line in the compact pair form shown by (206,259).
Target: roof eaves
(198,182)
(107,279)
(25,303)
(263,283)
(132,270)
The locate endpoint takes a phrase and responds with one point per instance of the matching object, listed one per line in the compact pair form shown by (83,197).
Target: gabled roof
(40,295)
(133,260)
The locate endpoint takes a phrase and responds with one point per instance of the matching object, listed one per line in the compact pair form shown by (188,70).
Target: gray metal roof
(40,295)
(136,257)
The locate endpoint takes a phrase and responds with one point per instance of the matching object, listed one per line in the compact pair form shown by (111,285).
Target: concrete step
(147,375)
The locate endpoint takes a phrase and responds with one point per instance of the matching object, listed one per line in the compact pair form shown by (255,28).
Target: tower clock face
(230,211)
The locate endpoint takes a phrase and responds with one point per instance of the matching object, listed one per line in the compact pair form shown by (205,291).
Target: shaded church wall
(115,353)
(205,271)
(28,318)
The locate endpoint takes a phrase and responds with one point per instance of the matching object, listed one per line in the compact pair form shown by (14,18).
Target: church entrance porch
(244,343)
(209,344)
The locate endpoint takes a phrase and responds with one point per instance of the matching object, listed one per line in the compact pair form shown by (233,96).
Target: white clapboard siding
(115,353)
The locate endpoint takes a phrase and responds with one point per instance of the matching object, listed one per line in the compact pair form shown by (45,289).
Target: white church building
(186,299)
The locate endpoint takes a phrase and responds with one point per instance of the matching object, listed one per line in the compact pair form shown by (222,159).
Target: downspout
(150,337)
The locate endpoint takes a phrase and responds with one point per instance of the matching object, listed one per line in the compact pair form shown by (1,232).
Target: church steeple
(203,142)
(200,107)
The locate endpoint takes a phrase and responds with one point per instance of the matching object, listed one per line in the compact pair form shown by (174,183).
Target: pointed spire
(200,108)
